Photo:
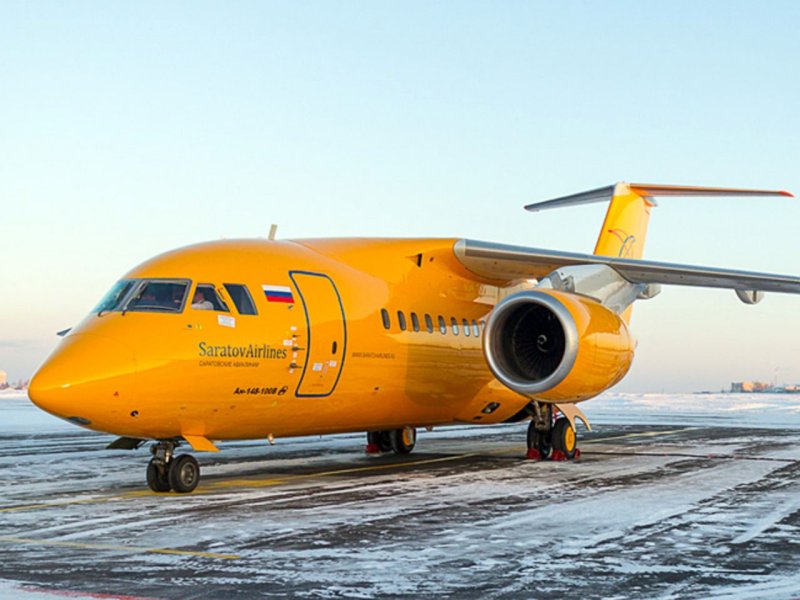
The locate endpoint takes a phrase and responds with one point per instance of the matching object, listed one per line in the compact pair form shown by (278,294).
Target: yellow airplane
(251,339)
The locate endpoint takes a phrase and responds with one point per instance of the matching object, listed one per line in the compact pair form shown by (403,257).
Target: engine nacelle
(553,345)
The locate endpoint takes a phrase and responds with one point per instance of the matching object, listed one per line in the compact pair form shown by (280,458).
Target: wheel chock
(558,455)
(577,455)
(372,450)
(533,454)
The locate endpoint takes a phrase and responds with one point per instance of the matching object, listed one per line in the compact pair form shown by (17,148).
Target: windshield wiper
(134,298)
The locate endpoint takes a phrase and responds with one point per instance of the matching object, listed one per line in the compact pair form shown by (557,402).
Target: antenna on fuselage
(273,229)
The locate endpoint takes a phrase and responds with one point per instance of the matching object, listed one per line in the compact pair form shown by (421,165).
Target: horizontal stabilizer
(648,191)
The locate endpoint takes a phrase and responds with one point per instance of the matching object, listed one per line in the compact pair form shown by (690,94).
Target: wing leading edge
(501,262)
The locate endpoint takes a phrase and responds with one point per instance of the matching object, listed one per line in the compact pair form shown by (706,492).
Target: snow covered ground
(731,410)
(676,496)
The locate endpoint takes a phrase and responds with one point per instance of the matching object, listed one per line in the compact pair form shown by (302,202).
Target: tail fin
(625,226)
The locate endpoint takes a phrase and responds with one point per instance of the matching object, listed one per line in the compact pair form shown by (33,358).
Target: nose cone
(87,375)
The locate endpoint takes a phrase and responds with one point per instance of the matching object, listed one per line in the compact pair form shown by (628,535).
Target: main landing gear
(551,436)
(167,472)
(399,441)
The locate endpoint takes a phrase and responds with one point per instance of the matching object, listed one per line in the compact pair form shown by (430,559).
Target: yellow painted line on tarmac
(208,488)
(347,471)
(117,548)
(26,507)
(10,509)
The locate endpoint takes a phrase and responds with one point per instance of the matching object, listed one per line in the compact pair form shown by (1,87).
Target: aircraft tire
(157,479)
(184,473)
(403,440)
(381,439)
(564,438)
(539,440)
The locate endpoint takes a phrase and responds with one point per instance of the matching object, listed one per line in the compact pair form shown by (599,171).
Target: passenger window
(454,325)
(414,321)
(206,298)
(387,323)
(465,326)
(401,318)
(241,298)
(158,296)
(475,329)
(442,325)
(428,323)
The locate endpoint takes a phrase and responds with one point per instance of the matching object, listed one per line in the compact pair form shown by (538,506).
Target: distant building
(744,387)
(3,379)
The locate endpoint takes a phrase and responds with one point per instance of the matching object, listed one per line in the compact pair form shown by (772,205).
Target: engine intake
(555,345)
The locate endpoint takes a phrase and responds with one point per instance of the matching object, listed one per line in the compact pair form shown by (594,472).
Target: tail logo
(627,242)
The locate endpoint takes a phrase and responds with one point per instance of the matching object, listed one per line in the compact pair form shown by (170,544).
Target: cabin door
(326,334)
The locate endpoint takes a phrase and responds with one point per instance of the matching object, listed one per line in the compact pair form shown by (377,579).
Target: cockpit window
(158,296)
(113,299)
(241,298)
(206,298)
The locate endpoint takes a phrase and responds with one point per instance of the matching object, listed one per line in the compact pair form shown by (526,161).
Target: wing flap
(501,262)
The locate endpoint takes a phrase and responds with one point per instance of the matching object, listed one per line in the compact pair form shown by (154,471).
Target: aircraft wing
(502,262)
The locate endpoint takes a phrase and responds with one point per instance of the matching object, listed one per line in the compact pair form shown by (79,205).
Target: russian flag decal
(278,293)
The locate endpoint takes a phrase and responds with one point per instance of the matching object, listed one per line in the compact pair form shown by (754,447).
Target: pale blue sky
(127,129)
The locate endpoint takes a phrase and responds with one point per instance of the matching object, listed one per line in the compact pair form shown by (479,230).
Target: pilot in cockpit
(200,302)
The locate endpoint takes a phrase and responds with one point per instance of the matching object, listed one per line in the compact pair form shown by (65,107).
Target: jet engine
(555,346)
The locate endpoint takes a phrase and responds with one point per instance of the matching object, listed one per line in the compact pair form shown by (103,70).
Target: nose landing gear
(167,472)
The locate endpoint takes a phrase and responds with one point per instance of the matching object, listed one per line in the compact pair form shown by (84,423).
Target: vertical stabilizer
(628,215)
(625,226)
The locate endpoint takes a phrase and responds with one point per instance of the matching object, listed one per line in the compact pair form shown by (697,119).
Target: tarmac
(650,510)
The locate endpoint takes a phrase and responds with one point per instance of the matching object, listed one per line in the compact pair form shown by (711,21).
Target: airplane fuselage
(320,360)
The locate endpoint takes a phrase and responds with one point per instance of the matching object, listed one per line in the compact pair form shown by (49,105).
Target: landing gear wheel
(157,477)
(564,438)
(378,442)
(403,440)
(539,441)
(184,473)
